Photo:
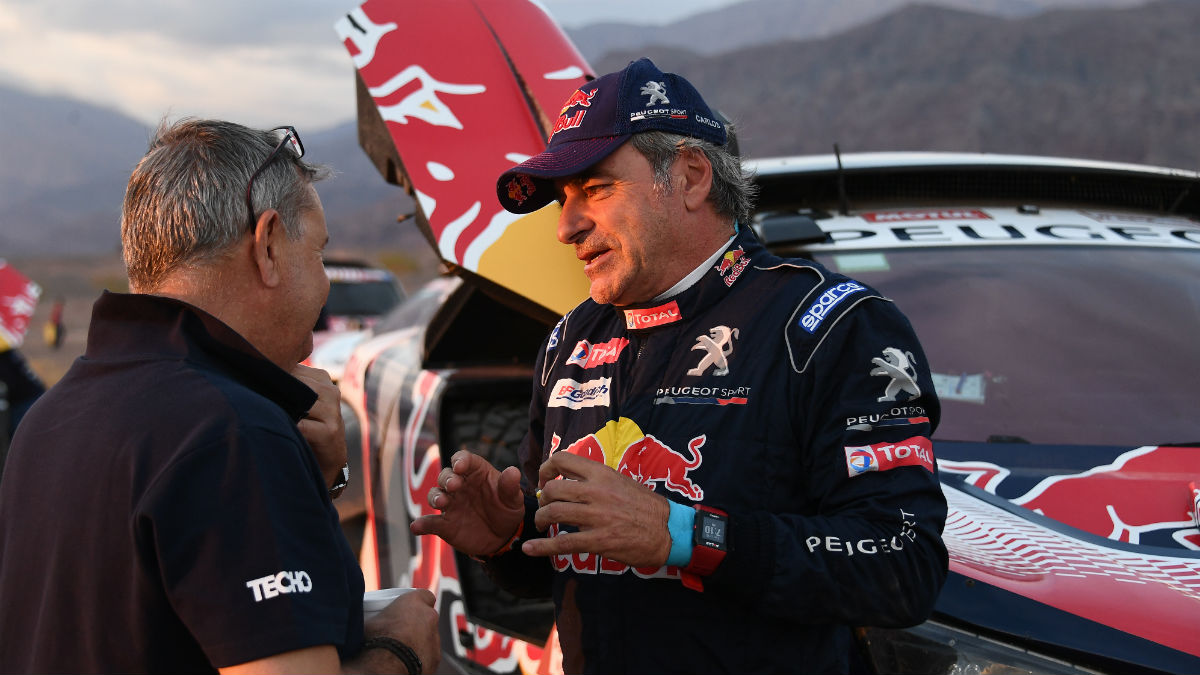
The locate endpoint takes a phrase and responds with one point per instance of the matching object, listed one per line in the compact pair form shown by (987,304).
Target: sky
(255,62)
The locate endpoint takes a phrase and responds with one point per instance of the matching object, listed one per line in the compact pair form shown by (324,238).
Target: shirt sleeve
(866,547)
(245,544)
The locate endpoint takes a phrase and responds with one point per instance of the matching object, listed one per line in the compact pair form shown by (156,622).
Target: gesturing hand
(617,517)
(481,507)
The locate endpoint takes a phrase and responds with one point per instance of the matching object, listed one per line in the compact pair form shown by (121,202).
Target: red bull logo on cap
(579,98)
(572,121)
(520,188)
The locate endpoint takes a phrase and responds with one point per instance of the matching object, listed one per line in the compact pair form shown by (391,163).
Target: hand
(411,619)
(481,507)
(617,517)
(323,427)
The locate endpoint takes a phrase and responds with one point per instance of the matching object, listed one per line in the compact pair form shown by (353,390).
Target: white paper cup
(375,601)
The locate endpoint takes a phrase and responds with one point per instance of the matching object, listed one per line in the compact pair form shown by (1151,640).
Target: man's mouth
(592,258)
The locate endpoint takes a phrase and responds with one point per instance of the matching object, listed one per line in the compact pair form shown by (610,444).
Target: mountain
(1114,84)
(759,22)
(65,164)
(1103,84)
(62,174)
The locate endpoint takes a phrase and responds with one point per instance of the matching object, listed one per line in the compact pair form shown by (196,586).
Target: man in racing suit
(779,415)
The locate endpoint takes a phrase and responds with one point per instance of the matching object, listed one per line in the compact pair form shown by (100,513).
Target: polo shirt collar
(128,326)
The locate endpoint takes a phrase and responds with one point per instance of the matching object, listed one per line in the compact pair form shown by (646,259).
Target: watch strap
(707,555)
(336,490)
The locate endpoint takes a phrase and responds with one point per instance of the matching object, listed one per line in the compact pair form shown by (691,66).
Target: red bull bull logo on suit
(621,445)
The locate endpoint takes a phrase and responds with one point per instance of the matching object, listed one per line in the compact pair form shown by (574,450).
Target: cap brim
(528,186)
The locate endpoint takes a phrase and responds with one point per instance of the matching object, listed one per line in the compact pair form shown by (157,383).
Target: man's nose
(573,221)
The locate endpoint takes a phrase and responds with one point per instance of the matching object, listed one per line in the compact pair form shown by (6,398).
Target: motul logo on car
(940,214)
(283,582)
(916,451)
(654,316)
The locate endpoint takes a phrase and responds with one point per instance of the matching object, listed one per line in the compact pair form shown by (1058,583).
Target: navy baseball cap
(601,115)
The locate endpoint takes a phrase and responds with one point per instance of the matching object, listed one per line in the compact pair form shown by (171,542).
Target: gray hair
(186,199)
(733,189)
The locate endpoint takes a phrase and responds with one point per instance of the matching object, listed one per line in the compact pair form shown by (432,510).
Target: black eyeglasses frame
(291,138)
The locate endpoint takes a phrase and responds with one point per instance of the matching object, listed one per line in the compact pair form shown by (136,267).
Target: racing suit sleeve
(515,572)
(863,545)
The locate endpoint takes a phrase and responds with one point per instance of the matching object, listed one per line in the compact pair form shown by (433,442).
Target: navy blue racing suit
(794,399)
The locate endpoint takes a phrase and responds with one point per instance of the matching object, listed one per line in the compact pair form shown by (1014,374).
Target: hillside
(1103,84)
(758,22)
(1116,84)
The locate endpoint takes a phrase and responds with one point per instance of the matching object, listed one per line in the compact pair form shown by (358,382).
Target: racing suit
(794,399)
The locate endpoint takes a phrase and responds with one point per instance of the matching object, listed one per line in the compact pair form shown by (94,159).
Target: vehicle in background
(1056,299)
(359,294)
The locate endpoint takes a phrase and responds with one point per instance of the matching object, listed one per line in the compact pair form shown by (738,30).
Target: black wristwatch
(709,545)
(338,487)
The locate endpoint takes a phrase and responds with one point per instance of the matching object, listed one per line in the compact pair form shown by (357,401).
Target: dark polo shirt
(160,511)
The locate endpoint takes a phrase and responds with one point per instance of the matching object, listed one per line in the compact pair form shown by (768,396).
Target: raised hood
(443,112)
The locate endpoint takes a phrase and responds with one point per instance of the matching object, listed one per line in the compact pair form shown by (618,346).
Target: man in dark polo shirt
(166,507)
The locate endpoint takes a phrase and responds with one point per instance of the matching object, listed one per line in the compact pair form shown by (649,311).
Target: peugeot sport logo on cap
(601,115)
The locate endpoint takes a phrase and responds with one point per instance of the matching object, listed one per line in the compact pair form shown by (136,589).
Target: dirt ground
(79,282)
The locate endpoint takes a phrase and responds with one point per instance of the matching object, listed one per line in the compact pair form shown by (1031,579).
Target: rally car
(1056,300)
(359,294)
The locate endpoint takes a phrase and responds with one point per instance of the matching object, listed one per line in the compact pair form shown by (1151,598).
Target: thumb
(509,488)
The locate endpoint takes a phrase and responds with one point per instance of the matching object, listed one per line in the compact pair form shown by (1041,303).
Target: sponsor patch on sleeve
(915,451)
(568,393)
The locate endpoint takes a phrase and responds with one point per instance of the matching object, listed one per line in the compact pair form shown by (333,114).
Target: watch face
(712,529)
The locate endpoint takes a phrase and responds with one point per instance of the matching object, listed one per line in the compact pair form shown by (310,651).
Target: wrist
(340,481)
(401,651)
(505,548)
(680,523)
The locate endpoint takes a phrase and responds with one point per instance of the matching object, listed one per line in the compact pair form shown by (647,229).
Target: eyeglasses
(288,139)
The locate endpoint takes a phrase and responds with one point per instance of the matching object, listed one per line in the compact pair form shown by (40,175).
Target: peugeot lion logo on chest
(718,347)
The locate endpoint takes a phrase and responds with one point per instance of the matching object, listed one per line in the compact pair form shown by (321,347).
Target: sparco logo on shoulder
(829,299)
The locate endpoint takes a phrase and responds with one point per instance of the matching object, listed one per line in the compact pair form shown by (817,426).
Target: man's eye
(593,189)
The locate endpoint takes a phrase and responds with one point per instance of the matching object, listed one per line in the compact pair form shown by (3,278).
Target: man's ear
(266,247)
(695,177)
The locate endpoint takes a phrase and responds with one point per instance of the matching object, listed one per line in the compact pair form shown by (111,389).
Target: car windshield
(361,298)
(1053,345)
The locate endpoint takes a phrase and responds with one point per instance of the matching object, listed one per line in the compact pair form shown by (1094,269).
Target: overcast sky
(263,62)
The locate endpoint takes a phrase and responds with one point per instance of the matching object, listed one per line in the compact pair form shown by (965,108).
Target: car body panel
(460,105)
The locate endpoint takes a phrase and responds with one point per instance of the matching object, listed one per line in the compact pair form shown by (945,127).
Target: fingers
(509,488)
(426,525)
(418,595)
(318,380)
(569,465)
(565,513)
(565,542)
